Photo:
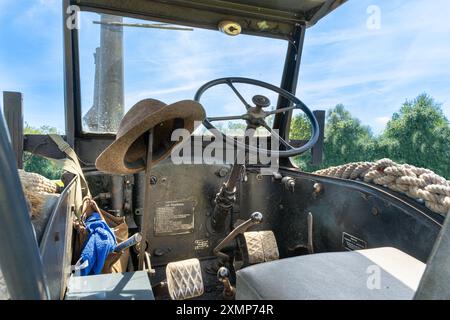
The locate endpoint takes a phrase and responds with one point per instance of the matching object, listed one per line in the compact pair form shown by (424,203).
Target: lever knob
(256,217)
(223,275)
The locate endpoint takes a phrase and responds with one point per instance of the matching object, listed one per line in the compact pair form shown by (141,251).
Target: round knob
(261,101)
(223,273)
(256,217)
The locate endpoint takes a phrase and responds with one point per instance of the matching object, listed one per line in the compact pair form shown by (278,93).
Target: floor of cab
(213,288)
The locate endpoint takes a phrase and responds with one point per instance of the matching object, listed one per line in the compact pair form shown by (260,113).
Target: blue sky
(371,72)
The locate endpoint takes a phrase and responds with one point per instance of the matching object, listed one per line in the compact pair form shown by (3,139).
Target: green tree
(346,139)
(38,164)
(301,130)
(419,134)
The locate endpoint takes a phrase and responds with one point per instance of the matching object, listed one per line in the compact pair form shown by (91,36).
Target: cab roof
(270,18)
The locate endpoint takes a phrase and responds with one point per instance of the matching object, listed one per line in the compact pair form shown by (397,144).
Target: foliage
(38,164)
(419,134)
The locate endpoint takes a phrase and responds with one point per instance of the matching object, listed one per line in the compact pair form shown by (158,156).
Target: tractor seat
(374,274)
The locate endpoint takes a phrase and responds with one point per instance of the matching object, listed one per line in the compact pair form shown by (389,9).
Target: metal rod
(131,241)
(255,218)
(144,25)
(20,260)
(310,233)
(146,209)
(226,196)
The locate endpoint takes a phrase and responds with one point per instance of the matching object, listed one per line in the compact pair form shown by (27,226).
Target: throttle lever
(255,218)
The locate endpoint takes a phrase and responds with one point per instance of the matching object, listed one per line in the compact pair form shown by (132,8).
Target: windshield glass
(381,70)
(124,60)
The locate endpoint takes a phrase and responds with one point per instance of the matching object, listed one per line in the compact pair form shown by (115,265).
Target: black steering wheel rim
(298,104)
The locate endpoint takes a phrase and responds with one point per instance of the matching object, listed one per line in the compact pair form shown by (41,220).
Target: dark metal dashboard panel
(347,215)
(342,210)
(181,200)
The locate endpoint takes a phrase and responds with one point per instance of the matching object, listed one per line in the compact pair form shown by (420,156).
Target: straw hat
(127,154)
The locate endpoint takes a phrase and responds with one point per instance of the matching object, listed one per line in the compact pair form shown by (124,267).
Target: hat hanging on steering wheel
(127,154)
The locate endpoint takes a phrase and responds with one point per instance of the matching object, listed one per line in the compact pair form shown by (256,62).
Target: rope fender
(416,183)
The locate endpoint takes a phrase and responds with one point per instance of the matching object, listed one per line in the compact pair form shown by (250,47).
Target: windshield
(124,60)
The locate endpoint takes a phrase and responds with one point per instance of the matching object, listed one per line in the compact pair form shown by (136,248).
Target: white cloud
(382,120)
(373,72)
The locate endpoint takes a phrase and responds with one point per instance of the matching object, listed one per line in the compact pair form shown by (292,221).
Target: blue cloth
(100,243)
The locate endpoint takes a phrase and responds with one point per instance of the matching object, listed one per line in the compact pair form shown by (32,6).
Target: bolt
(222,172)
(318,187)
(158,252)
(375,211)
(153,180)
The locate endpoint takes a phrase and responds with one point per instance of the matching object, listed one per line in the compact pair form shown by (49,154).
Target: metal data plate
(174,217)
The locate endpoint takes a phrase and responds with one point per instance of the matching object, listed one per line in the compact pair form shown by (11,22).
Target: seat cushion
(375,274)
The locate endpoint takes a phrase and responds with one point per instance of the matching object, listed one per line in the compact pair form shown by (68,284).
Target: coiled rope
(416,183)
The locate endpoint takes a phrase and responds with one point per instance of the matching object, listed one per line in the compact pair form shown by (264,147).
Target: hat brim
(112,159)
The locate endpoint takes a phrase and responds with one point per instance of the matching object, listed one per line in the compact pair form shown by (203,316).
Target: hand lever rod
(227,195)
(255,218)
(223,275)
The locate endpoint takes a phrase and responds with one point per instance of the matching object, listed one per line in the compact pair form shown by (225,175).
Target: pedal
(257,247)
(184,279)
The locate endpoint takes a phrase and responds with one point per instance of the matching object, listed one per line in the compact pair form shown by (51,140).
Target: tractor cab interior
(250,225)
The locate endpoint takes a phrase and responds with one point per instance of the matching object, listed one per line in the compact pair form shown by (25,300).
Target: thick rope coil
(37,190)
(416,183)
(34,182)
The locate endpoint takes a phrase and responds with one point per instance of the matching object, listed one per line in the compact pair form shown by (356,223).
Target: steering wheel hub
(261,101)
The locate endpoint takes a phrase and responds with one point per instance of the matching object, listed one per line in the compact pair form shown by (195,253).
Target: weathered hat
(127,154)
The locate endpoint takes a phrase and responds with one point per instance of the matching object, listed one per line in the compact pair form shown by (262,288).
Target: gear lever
(223,275)
(255,218)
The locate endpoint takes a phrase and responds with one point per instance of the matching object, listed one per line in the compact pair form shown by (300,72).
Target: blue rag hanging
(100,243)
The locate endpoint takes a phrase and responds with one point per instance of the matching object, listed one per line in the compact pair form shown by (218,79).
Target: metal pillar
(12,105)
(290,77)
(110,90)
(20,260)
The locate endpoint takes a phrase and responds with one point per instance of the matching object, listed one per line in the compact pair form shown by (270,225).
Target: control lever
(223,275)
(255,218)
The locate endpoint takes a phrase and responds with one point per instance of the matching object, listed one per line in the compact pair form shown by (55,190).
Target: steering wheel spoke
(225,118)
(277,136)
(281,110)
(238,94)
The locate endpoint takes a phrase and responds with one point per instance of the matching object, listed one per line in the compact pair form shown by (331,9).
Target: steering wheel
(255,116)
